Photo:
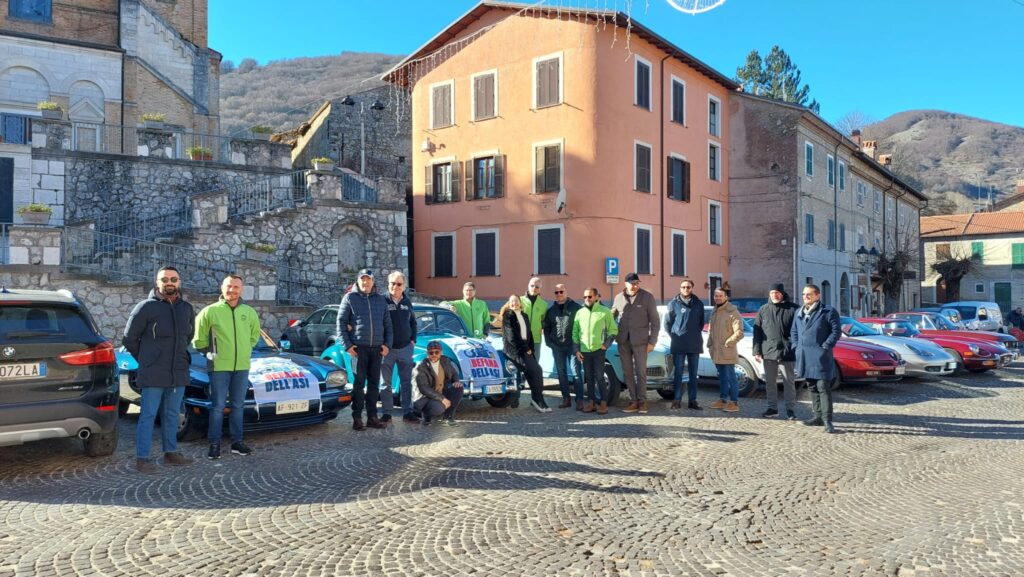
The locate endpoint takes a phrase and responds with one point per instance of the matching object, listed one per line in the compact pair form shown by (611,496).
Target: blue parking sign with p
(611,266)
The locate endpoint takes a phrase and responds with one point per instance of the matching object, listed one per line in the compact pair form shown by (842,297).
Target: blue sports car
(266,405)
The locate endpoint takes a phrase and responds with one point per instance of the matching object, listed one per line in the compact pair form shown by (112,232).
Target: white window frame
(809,152)
(651,171)
(472,94)
(637,60)
(472,178)
(861,192)
(876,200)
(650,250)
(497,248)
(536,244)
(433,255)
(673,233)
(718,160)
(672,98)
(717,241)
(561,163)
(979,284)
(842,176)
(561,78)
(830,170)
(718,116)
(711,275)
(451,107)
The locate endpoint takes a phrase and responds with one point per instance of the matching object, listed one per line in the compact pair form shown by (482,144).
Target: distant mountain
(956,160)
(284,93)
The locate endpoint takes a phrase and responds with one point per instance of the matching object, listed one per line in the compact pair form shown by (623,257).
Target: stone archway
(350,238)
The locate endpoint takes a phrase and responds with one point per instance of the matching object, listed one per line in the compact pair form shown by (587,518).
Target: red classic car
(937,324)
(860,362)
(974,355)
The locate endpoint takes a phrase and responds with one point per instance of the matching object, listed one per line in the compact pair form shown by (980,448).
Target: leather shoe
(602,409)
(579,405)
(693,406)
(566,403)
(146,466)
(176,459)
(677,404)
(357,424)
(589,408)
(815,422)
(375,423)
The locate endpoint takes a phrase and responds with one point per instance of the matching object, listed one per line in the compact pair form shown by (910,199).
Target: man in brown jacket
(637,313)
(725,332)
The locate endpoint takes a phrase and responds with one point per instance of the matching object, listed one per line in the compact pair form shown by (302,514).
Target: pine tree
(775,77)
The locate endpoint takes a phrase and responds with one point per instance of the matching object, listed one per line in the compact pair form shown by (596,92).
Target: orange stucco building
(546,140)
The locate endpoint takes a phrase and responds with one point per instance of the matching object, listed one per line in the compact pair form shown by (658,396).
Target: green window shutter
(1018,255)
(978,250)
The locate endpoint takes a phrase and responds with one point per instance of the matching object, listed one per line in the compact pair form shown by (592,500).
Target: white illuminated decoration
(695,6)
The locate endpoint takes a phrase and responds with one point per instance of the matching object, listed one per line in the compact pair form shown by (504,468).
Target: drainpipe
(123,52)
(835,216)
(661,184)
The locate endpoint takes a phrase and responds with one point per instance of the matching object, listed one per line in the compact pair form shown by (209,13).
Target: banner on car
(275,380)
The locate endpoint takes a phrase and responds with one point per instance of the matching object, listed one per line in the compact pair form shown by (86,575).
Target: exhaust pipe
(84,433)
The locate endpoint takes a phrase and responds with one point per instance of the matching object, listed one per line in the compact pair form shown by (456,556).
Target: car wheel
(101,444)
(667,394)
(191,427)
(614,385)
(500,402)
(959,361)
(837,379)
(746,378)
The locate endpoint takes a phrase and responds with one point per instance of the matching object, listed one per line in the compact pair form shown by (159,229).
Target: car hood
(478,359)
(900,344)
(859,346)
(987,336)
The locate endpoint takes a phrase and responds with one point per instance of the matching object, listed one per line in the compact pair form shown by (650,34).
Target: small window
(978,250)
(678,254)
(678,179)
(548,165)
(808,159)
(643,250)
(1018,255)
(714,223)
(37,10)
(714,116)
(548,81)
(487,177)
(548,247)
(442,182)
(831,170)
(442,111)
(485,253)
(842,176)
(642,91)
(809,228)
(842,237)
(714,282)
(861,192)
(642,168)
(878,200)
(485,95)
(979,288)
(678,101)
(831,234)
(444,255)
(714,162)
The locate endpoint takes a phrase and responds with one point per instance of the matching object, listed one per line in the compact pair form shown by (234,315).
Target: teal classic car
(485,372)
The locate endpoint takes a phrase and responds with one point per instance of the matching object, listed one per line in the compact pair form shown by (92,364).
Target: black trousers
(432,409)
(534,377)
(593,374)
(367,372)
(821,398)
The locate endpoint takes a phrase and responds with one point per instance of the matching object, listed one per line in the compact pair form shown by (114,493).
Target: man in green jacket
(227,331)
(593,331)
(472,311)
(535,308)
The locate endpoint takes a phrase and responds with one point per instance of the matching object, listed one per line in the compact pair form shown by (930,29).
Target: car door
(321,332)
(299,334)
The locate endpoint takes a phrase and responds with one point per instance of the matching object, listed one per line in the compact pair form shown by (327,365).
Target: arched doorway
(844,295)
(351,243)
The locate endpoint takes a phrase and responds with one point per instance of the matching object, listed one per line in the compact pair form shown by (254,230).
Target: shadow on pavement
(935,426)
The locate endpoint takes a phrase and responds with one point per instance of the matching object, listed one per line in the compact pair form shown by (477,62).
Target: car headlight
(974,348)
(510,367)
(919,351)
(895,356)
(337,379)
(865,356)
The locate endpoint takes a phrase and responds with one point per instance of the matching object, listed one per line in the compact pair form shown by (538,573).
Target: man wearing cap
(772,329)
(438,389)
(472,311)
(365,330)
(637,313)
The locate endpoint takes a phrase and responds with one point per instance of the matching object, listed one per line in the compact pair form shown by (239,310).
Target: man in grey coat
(772,346)
(637,314)
(816,330)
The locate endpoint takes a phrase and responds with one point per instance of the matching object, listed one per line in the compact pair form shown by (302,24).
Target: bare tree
(853,120)
(952,269)
(895,262)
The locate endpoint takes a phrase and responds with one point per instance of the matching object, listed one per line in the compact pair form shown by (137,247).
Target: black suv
(57,373)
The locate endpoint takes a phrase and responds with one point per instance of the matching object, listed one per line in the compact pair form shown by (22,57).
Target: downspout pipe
(664,176)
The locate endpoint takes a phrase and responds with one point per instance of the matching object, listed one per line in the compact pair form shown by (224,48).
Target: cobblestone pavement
(925,479)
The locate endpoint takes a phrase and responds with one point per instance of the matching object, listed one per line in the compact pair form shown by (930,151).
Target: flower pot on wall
(52,114)
(257,255)
(35,217)
(325,166)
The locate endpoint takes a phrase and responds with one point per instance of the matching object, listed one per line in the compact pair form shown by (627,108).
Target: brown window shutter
(553,85)
(670,186)
(554,168)
(428,184)
(438,120)
(539,161)
(456,180)
(470,177)
(499,175)
(491,96)
(686,181)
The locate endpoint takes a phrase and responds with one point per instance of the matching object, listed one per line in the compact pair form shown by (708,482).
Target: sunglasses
(396,283)
(559,292)
(171,279)
(434,353)
(589,297)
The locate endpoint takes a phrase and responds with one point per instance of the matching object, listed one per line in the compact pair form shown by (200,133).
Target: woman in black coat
(519,348)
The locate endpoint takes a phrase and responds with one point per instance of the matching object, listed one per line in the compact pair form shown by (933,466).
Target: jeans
(227,385)
(821,398)
(634,370)
(771,371)
(432,409)
(593,371)
(403,358)
(691,360)
(728,386)
(563,356)
(366,389)
(166,401)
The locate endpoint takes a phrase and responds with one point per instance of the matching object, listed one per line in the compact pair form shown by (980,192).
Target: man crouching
(438,390)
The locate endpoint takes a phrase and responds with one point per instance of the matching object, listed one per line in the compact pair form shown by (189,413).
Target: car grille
(655,371)
(933,369)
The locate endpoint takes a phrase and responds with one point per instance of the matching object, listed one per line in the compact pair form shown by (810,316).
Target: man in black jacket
(403,326)
(157,334)
(772,347)
(364,327)
(557,326)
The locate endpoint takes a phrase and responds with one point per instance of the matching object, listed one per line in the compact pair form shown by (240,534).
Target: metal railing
(127,223)
(285,191)
(299,286)
(354,189)
(168,142)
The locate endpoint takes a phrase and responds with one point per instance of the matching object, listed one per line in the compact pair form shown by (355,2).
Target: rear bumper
(26,423)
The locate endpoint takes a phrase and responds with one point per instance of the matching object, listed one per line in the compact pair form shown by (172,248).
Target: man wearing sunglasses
(557,327)
(403,327)
(438,389)
(157,335)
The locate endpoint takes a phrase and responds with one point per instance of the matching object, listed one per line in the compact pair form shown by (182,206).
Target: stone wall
(93,21)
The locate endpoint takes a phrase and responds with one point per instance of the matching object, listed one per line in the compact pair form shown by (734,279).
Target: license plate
(494,389)
(989,363)
(873,373)
(285,407)
(23,371)
(951,366)
(901,370)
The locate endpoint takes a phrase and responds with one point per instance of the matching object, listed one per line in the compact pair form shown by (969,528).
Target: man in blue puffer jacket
(364,328)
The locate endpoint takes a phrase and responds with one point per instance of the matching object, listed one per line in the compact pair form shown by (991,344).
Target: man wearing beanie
(772,346)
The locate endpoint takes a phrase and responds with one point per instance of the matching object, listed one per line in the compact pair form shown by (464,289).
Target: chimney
(885,160)
(870,148)
(1020,186)
(855,137)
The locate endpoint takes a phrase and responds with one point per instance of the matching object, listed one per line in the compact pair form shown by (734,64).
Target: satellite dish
(695,6)
(560,201)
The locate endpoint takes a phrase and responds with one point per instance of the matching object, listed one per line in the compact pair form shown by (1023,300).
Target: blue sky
(876,56)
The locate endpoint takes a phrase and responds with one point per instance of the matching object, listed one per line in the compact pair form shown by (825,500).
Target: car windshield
(854,328)
(942,323)
(966,312)
(435,322)
(899,329)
